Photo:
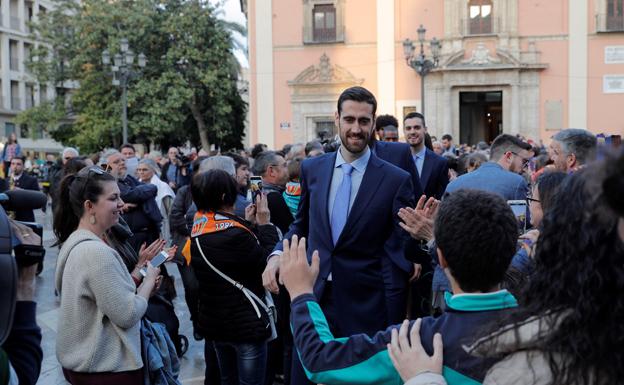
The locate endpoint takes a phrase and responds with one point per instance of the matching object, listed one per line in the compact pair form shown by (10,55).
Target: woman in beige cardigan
(98,338)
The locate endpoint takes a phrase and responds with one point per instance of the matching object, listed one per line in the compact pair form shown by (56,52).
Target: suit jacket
(356,260)
(493,178)
(26,182)
(434,178)
(399,154)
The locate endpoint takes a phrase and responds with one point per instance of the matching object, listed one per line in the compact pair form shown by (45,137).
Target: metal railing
(323,36)
(609,23)
(16,23)
(16,103)
(14,64)
(480,26)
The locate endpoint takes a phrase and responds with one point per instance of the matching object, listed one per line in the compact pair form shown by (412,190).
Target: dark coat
(26,182)
(434,176)
(146,216)
(225,314)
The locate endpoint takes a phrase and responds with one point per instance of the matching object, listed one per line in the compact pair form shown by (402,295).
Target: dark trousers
(241,363)
(212,375)
(133,377)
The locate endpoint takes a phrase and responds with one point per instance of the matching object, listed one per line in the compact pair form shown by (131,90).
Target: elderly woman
(149,172)
(221,245)
(101,308)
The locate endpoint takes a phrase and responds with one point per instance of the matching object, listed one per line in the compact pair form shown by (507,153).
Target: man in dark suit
(395,277)
(432,168)
(21,180)
(348,208)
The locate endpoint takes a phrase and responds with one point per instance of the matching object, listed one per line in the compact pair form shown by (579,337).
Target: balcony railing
(14,64)
(16,103)
(609,23)
(16,23)
(323,36)
(480,26)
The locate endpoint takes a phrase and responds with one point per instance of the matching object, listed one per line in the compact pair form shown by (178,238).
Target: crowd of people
(302,265)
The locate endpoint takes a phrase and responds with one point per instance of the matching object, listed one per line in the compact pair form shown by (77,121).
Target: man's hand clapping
(418,222)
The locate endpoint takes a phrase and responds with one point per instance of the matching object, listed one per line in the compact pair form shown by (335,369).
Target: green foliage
(187,91)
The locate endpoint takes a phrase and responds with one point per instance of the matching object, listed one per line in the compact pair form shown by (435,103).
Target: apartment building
(19,90)
(512,66)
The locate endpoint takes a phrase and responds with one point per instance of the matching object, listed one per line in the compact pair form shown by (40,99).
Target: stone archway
(313,97)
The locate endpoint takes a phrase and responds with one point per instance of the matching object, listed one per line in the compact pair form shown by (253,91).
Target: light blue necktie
(340,210)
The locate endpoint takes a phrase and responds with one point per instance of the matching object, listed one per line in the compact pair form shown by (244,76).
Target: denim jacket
(160,361)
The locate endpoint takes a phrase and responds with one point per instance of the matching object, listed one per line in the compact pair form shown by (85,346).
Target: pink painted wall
(542,17)
(603,110)
(253,91)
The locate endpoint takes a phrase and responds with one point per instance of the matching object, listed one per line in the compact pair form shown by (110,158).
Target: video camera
(13,253)
(184,160)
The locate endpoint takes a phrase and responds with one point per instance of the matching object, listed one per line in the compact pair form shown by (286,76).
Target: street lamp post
(420,63)
(123,71)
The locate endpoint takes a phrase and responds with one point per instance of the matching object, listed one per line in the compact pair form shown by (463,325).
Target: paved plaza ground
(192,364)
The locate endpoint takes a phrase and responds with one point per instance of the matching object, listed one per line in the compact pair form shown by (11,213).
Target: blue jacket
(160,361)
(434,178)
(493,178)
(360,359)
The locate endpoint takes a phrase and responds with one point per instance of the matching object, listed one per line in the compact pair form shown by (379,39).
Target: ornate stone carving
(481,56)
(325,73)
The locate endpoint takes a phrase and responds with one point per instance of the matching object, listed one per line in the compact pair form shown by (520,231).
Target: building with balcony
(19,90)
(518,67)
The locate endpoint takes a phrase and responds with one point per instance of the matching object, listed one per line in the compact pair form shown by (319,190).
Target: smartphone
(156,261)
(519,208)
(256,187)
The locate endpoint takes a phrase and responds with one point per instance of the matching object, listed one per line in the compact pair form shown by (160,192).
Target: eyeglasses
(533,200)
(525,162)
(87,176)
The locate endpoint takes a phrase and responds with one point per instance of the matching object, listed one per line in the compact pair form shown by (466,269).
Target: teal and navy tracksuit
(361,359)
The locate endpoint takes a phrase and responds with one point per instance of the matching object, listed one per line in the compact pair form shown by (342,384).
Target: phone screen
(519,208)
(156,261)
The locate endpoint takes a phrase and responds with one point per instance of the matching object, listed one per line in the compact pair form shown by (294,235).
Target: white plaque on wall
(614,54)
(613,84)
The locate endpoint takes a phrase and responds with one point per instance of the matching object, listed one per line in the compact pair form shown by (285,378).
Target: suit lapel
(426,170)
(370,183)
(325,174)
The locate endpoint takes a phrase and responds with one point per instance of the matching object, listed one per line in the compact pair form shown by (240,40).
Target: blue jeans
(242,363)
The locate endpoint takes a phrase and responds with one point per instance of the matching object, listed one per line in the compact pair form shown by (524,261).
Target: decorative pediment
(325,73)
(481,58)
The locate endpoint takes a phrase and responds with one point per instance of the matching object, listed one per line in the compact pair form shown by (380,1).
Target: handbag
(267,304)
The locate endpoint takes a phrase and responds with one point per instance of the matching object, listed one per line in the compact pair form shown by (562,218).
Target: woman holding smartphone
(101,308)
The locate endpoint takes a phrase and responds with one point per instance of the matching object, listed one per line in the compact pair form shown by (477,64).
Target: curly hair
(580,275)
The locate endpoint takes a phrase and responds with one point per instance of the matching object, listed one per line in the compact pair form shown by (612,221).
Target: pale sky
(232,12)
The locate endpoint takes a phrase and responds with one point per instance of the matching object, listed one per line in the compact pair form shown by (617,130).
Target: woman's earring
(92,219)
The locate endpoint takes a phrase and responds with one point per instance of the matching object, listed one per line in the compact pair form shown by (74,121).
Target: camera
(184,160)
(15,253)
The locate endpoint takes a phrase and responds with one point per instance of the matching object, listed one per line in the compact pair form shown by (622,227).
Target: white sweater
(100,313)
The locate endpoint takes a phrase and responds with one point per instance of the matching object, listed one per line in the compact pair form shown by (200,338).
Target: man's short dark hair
(263,161)
(21,157)
(579,142)
(447,137)
(477,234)
(413,115)
(313,145)
(384,121)
(127,145)
(504,143)
(357,94)
(213,190)
(238,160)
(257,149)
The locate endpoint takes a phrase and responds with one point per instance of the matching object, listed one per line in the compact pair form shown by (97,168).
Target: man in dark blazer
(21,180)
(348,211)
(395,277)
(432,168)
